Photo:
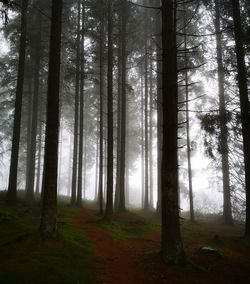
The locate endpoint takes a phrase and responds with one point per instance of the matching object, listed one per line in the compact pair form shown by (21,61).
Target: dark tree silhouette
(48,225)
(244,103)
(12,188)
(171,243)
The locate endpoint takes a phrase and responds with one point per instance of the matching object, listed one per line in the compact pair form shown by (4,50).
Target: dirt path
(130,261)
(118,261)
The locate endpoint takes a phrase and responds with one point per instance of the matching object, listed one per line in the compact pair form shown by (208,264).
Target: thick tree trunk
(244,104)
(171,243)
(109,204)
(12,187)
(48,225)
(76,118)
(227,210)
(80,156)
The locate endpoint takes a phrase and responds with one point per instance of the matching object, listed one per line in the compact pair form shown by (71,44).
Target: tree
(171,242)
(109,203)
(12,188)
(227,211)
(123,105)
(35,102)
(76,118)
(80,157)
(48,224)
(244,103)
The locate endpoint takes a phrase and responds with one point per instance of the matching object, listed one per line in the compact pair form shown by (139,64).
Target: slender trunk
(76,118)
(85,165)
(227,210)
(48,225)
(123,105)
(96,168)
(29,122)
(69,165)
(119,94)
(151,186)
(37,60)
(171,242)
(60,158)
(101,94)
(159,111)
(109,204)
(80,156)
(38,174)
(190,183)
(244,103)
(12,187)
(142,148)
(146,198)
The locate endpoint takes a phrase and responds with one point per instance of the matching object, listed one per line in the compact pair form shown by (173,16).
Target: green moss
(26,258)
(131,225)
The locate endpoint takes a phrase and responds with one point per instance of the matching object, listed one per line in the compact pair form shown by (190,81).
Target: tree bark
(171,242)
(190,183)
(109,204)
(48,225)
(101,94)
(146,197)
(81,122)
(244,104)
(37,60)
(227,210)
(12,187)
(76,118)
(123,105)
(159,110)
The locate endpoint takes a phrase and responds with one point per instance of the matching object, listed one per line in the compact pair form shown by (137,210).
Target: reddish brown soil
(136,261)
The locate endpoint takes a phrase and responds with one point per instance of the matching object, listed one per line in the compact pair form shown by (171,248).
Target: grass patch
(132,225)
(25,258)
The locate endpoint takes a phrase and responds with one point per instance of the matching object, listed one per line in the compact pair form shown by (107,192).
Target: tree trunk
(151,185)
(80,156)
(38,174)
(100,186)
(244,104)
(109,204)
(142,148)
(146,197)
(171,243)
(37,60)
(190,183)
(29,122)
(119,102)
(76,118)
(123,104)
(159,110)
(12,187)
(48,225)
(227,210)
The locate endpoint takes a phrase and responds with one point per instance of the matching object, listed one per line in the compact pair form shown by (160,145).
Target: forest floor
(125,251)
